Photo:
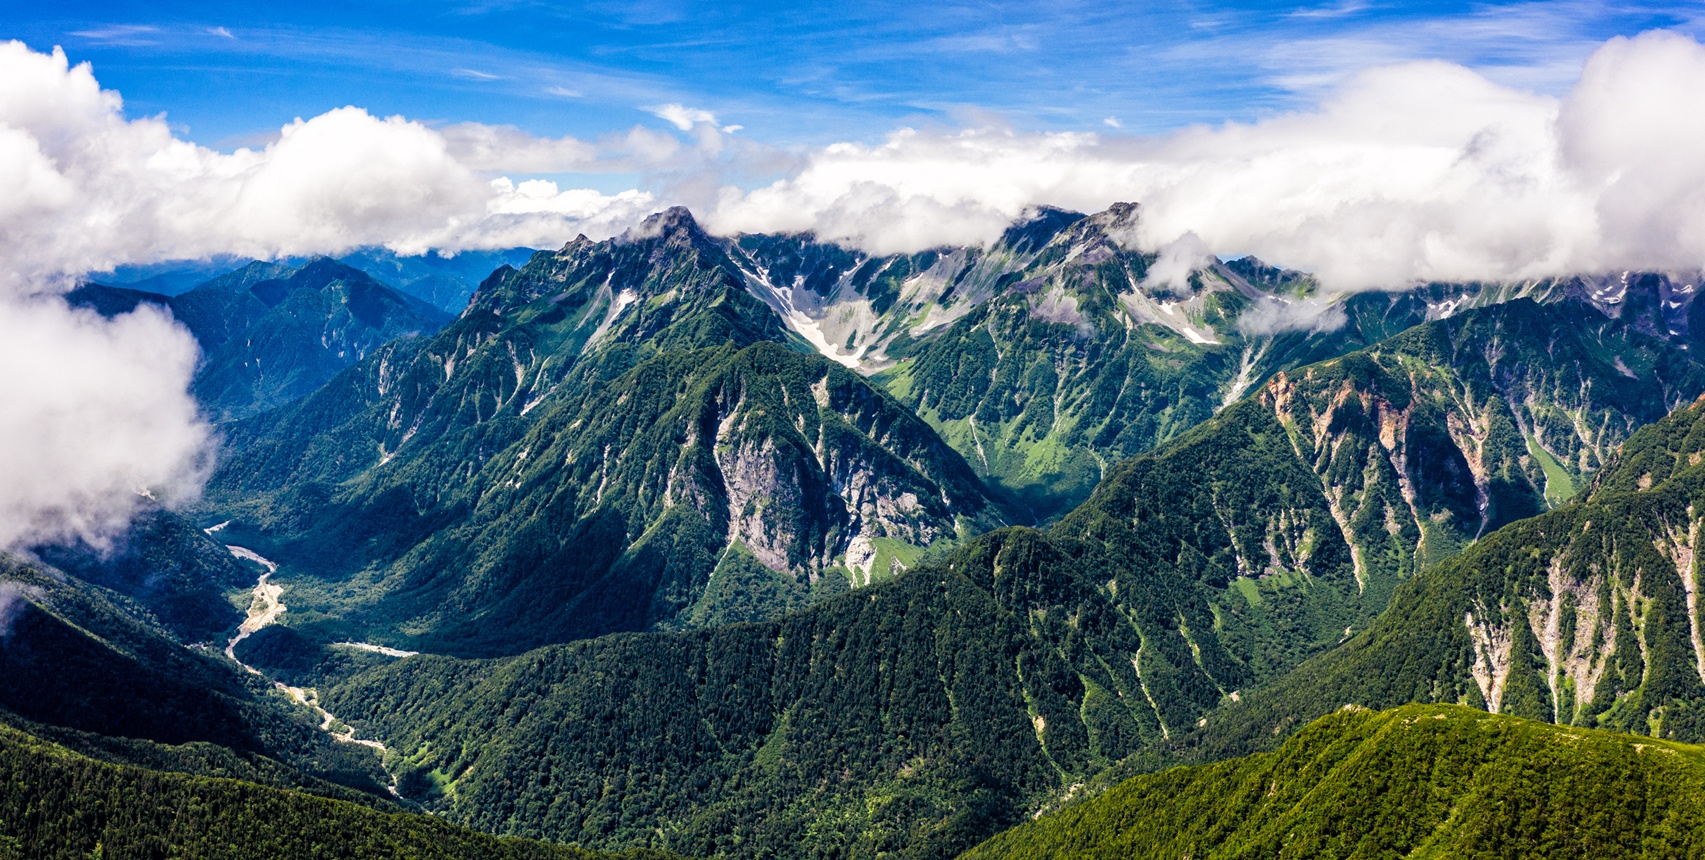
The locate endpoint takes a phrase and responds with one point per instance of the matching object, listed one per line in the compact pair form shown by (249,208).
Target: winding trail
(264,609)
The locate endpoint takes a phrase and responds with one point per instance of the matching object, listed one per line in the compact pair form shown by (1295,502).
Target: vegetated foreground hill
(1587,615)
(270,334)
(1422,781)
(1193,575)
(57,804)
(918,716)
(594,438)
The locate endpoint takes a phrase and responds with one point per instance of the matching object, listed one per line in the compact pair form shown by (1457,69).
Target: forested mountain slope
(1586,615)
(270,334)
(88,660)
(1194,574)
(579,452)
(1283,525)
(56,804)
(445,281)
(1417,782)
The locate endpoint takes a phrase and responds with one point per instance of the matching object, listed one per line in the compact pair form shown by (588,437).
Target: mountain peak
(1037,227)
(241,279)
(676,221)
(1119,216)
(322,270)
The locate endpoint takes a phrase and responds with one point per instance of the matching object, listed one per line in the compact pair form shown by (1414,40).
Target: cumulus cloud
(95,421)
(682,117)
(87,189)
(1417,172)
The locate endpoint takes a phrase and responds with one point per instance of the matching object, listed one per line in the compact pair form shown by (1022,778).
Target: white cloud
(534,213)
(1313,313)
(82,188)
(93,414)
(122,35)
(682,117)
(1176,260)
(1341,9)
(1422,171)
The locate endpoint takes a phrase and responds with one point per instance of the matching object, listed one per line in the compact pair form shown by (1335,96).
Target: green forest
(1420,781)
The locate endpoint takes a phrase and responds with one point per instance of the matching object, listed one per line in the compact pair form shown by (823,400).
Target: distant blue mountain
(444,281)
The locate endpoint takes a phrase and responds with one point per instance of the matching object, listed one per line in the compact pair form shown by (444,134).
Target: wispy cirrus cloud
(125,35)
(1341,9)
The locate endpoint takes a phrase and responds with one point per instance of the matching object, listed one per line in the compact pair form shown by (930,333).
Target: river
(265,607)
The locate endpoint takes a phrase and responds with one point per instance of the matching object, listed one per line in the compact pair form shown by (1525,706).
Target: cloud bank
(83,188)
(1418,172)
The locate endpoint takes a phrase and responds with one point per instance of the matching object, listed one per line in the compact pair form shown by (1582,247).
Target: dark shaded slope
(270,334)
(81,658)
(57,804)
(169,567)
(320,319)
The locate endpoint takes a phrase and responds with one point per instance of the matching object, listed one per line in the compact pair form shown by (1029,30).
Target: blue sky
(792,74)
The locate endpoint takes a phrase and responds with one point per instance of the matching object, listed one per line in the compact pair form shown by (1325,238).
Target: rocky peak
(1117,218)
(1036,228)
(675,226)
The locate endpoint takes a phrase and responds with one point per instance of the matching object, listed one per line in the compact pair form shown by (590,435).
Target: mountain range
(759,546)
